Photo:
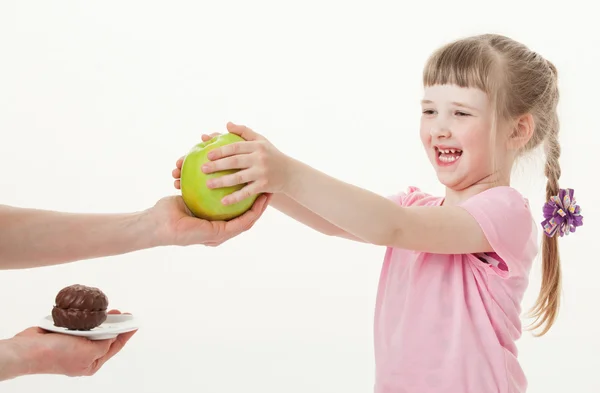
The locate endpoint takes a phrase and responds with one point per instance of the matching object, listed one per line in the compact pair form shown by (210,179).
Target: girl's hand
(182,228)
(261,166)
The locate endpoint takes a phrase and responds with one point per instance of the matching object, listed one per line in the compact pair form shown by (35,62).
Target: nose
(439,130)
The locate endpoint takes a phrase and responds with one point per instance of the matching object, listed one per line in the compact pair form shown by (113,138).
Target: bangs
(466,63)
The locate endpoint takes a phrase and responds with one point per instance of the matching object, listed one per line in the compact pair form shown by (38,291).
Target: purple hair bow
(562,215)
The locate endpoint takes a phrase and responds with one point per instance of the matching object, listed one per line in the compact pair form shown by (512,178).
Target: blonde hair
(518,81)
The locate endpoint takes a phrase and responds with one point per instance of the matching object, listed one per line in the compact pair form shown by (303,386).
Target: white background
(98,100)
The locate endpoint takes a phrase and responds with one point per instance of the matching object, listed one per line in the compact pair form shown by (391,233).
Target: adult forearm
(11,363)
(32,238)
(357,211)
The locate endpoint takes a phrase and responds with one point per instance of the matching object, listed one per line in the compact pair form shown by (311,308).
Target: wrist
(137,231)
(14,360)
(152,229)
(291,171)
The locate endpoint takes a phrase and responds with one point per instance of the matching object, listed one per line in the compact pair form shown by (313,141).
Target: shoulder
(413,196)
(505,217)
(505,195)
(503,204)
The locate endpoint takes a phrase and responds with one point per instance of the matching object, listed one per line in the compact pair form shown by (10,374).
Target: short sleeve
(505,217)
(406,198)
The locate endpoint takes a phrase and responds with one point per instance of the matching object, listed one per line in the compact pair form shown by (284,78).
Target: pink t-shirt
(448,323)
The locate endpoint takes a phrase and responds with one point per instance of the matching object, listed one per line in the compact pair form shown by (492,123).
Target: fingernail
(209,183)
(205,168)
(211,155)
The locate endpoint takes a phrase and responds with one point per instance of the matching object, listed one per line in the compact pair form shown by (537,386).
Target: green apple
(205,202)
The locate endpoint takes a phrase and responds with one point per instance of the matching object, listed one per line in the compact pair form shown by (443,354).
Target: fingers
(239,177)
(240,195)
(260,205)
(176,173)
(109,348)
(267,200)
(243,131)
(118,312)
(218,157)
(244,222)
(240,161)
(240,224)
(206,137)
(116,345)
(231,150)
(247,220)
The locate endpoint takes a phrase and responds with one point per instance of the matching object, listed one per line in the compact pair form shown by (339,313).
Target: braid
(552,168)
(547,305)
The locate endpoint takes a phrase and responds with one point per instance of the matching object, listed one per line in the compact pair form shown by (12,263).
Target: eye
(428,112)
(460,113)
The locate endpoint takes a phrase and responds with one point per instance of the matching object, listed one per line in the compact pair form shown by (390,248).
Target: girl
(457,266)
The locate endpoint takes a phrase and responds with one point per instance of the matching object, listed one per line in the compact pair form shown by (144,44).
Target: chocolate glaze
(78,307)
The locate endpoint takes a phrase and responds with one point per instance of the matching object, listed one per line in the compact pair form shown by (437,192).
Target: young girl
(457,266)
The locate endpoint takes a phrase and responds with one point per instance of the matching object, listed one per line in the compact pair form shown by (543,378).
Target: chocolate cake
(78,307)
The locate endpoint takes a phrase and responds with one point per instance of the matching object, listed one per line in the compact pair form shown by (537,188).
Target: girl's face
(456,131)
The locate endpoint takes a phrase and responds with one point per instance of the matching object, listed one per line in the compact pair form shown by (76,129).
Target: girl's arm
(285,205)
(380,221)
(361,213)
(293,209)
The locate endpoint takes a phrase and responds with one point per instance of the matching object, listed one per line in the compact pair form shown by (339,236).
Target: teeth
(448,151)
(448,158)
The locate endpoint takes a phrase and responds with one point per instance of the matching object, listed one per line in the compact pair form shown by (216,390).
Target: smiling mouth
(448,156)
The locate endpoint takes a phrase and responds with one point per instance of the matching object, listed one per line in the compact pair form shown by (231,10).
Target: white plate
(114,325)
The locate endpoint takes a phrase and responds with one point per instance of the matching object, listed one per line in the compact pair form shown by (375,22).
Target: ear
(522,132)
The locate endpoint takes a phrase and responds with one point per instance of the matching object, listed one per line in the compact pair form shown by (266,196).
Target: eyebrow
(455,103)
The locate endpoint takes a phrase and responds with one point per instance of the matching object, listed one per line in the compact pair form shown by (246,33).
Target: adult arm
(34,238)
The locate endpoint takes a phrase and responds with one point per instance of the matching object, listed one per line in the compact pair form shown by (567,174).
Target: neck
(455,196)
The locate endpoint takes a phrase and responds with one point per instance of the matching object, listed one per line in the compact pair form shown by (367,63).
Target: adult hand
(178,226)
(42,352)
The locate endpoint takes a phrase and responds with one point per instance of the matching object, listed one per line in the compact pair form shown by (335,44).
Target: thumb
(243,131)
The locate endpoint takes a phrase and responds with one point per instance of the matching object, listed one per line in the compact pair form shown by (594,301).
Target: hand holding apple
(261,167)
(201,200)
(172,223)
